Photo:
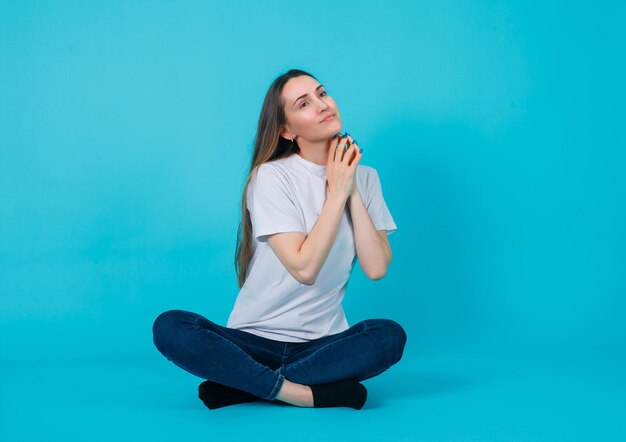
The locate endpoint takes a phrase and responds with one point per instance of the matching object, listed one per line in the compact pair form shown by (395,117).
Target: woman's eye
(302,104)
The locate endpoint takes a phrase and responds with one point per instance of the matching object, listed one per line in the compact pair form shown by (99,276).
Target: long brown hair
(268,146)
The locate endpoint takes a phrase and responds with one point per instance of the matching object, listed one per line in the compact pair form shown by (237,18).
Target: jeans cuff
(277,386)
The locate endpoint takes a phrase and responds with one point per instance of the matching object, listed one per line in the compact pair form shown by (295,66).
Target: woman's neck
(316,152)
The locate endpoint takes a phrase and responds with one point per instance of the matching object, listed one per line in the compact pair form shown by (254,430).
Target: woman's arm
(372,246)
(304,257)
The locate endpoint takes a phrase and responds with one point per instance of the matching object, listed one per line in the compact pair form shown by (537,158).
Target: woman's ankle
(296,394)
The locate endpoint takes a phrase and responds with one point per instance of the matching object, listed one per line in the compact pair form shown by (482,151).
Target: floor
(436,398)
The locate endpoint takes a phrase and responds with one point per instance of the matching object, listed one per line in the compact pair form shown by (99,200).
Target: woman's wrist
(339,197)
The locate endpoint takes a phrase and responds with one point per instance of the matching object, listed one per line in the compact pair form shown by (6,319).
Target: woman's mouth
(330,117)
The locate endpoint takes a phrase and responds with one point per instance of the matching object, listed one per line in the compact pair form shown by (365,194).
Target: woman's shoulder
(364,169)
(269,174)
(366,173)
(271,169)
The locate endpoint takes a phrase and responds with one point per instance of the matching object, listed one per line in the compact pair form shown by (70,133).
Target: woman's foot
(216,395)
(343,393)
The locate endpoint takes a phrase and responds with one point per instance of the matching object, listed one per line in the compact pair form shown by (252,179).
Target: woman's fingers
(331,151)
(356,148)
(348,154)
(341,148)
(357,155)
(334,145)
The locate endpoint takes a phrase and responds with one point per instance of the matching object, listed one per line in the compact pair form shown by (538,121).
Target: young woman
(308,211)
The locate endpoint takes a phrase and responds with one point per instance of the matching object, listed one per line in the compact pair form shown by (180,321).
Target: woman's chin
(335,130)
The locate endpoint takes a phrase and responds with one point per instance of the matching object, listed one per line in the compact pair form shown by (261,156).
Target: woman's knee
(165,327)
(392,337)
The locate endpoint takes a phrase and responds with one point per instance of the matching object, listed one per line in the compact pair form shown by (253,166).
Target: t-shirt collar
(317,169)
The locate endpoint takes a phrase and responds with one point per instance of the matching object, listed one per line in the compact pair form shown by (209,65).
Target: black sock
(216,395)
(344,393)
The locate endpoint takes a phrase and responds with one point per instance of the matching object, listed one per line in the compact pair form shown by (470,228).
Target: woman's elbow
(306,281)
(380,274)
(306,278)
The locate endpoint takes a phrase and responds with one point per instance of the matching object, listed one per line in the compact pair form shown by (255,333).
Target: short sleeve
(272,209)
(376,206)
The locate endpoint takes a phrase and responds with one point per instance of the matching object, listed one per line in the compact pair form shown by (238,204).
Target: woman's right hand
(341,167)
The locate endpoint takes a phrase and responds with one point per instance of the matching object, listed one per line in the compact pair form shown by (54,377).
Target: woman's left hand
(356,146)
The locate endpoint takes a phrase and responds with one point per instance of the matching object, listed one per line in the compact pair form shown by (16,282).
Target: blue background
(497,129)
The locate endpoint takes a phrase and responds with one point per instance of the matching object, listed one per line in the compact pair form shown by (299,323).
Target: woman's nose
(323,105)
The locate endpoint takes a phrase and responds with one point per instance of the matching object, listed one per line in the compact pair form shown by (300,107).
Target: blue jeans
(260,365)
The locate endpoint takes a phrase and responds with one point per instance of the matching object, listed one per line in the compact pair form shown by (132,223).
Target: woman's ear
(286,134)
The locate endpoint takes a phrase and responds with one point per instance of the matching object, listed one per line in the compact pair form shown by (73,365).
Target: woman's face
(306,106)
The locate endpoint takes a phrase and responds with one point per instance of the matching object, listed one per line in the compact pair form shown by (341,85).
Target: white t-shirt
(287,195)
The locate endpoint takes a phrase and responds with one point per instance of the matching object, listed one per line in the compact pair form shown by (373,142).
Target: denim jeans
(260,365)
